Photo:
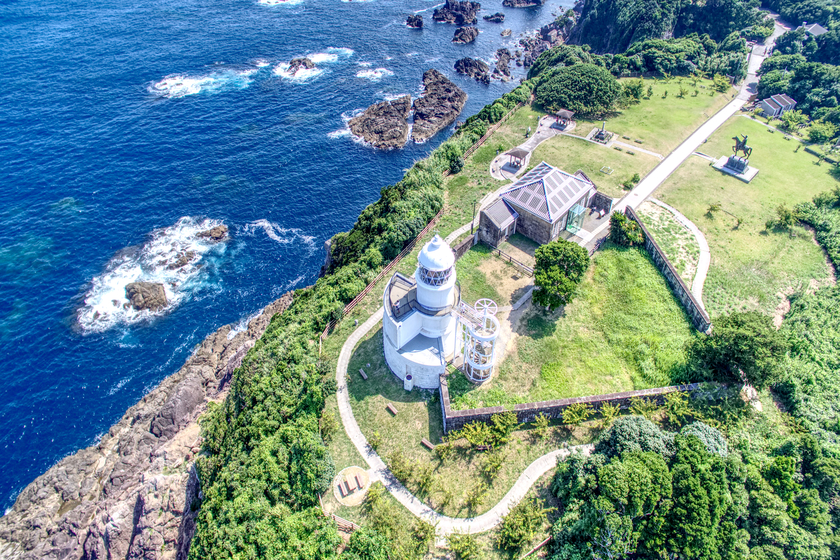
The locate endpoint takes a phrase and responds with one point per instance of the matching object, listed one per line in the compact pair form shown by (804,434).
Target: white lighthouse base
(421,357)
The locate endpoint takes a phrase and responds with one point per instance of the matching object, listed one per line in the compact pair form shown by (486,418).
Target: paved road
(379,470)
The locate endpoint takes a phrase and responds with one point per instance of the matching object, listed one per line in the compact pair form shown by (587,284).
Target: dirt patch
(508,280)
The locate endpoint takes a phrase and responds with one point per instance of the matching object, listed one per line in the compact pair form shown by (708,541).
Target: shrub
(541,425)
(633,433)
(624,231)
(822,132)
(521,524)
(711,438)
(329,425)
(475,495)
(493,463)
(609,412)
(576,413)
(465,547)
(583,88)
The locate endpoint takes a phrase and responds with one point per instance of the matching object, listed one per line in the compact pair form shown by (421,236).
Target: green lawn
(624,331)
(571,154)
(750,266)
(662,124)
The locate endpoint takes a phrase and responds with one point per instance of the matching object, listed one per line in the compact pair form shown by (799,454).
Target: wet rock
(146,295)
(183,259)
(300,63)
(502,70)
(219,232)
(474,69)
(384,125)
(440,105)
(506,32)
(465,35)
(459,13)
(523,3)
(415,21)
(498,17)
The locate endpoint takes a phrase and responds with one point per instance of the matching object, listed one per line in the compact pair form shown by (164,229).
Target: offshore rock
(498,17)
(523,3)
(459,13)
(465,35)
(474,69)
(415,21)
(219,232)
(439,106)
(146,295)
(297,63)
(550,35)
(134,495)
(502,70)
(506,32)
(384,125)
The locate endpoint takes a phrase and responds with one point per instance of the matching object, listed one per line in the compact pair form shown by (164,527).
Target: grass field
(623,331)
(751,268)
(418,417)
(676,240)
(571,154)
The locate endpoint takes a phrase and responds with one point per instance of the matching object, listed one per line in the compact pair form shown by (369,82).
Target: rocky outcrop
(502,70)
(415,21)
(474,69)
(133,495)
(550,35)
(506,32)
(146,295)
(523,3)
(459,13)
(498,17)
(219,232)
(300,63)
(465,35)
(183,259)
(440,105)
(384,125)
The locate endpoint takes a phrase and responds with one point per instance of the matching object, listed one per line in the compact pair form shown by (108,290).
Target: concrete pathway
(502,171)
(705,255)
(379,470)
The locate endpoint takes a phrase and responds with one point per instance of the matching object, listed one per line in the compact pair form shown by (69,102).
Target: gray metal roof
(501,214)
(782,100)
(547,192)
(816,29)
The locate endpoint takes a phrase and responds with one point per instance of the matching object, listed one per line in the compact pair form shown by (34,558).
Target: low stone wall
(692,307)
(463,246)
(527,412)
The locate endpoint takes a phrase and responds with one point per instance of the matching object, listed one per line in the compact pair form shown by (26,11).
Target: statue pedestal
(737,167)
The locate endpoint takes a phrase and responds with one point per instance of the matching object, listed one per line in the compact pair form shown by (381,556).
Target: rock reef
(474,69)
(465,35)
(132,495)
(300,63)
(498,17)
(523,3)
(502,70)
(146,295)
(440,105)
(415,21)
(219,232)
(385,124)
(459,13)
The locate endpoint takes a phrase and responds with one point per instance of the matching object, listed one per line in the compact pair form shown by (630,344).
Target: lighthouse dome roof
(436,255)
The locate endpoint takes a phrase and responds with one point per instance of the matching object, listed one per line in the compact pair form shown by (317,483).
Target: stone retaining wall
(527,412)
(692,307)
(463,246)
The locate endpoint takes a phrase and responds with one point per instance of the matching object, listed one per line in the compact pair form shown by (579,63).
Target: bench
(341,490)
(358,482)
(391,409)
(348,489)
(363,374)
(427,444)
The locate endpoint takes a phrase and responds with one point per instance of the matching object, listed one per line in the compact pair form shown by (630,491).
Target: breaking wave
(279,234)
(172,256)
(181,85)
(374,75)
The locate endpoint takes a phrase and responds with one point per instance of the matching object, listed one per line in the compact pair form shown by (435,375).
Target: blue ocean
(128,127)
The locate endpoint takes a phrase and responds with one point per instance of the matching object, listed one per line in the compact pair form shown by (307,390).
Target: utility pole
(472,223)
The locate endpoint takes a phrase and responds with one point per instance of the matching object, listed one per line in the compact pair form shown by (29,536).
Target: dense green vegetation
(824,12)
(684,56)
(583,88)
(560,266)
(614,25)
(814,86)
(649,493)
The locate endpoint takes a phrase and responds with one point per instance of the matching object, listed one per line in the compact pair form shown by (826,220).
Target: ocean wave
(181,85)
(172,256)
(284,70)
(340,133)
(279,2)
(375,75)
(365,64)
(279,234)
(261,63)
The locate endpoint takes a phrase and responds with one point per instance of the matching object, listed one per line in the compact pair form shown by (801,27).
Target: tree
(560,266)
(366,544)
(624,231)
(743,342)
(583,88)
(721,83)
(821,132)
(633,433)
(792,119)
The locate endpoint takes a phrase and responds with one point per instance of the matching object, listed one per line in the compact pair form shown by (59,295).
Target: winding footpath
(379,470)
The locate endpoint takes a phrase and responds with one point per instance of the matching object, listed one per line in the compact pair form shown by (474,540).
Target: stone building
(542,204)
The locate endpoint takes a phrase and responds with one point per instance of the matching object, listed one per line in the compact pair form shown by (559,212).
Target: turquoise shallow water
(129,127)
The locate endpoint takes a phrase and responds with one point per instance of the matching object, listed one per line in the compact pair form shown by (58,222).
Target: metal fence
(491,130)
(525,268)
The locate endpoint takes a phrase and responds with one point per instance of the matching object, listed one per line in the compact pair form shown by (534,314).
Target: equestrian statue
(741,146)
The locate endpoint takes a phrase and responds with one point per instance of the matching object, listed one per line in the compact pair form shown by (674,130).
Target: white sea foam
(261,63)
(172,256)
(427,9)
(389,96)
(284,70)
(365,64)
(341,133)
(279,2)
(375,75)
(279,234)
(412,54)
(181,85)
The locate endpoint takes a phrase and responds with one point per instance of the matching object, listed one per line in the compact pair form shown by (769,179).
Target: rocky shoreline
(133,494)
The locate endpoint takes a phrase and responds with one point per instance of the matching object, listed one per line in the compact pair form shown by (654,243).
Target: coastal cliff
(134,494)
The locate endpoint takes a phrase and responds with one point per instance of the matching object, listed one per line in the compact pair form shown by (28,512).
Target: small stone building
(776,105)
(542,204)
